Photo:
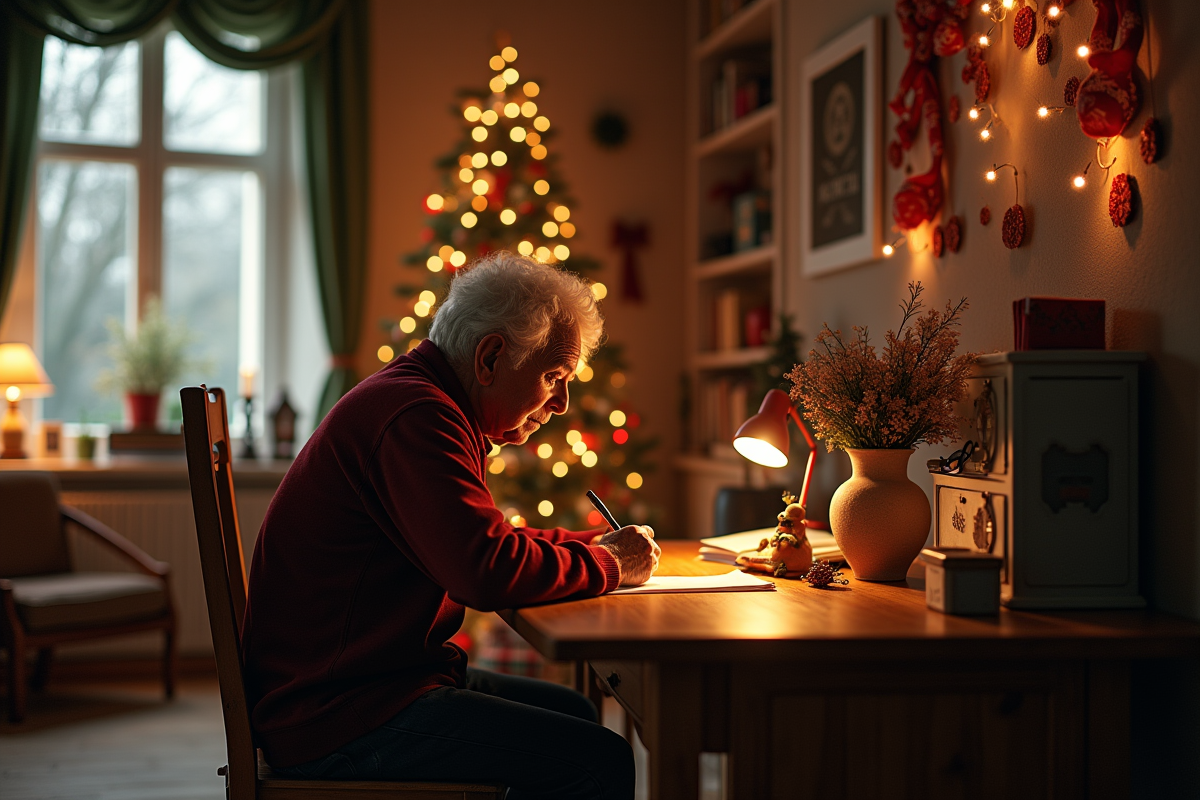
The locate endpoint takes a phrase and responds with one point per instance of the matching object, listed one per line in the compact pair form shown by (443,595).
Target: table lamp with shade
(763,438)
(21,375)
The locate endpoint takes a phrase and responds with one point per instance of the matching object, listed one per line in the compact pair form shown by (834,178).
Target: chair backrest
(32,538)
(206,436)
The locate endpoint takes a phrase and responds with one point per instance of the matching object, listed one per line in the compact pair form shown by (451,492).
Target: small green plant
(85,443)
(151,358)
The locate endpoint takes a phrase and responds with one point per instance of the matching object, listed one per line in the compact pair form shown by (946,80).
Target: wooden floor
(117,741)
(122,741)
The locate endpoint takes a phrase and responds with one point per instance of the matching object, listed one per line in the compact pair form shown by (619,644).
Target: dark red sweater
(381,532)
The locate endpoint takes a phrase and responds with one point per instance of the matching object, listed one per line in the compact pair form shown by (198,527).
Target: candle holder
(248,437)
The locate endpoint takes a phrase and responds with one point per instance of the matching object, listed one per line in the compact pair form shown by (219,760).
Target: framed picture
(52,435)
(840,146)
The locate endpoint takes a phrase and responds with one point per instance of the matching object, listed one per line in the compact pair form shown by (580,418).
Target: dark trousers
(540,739)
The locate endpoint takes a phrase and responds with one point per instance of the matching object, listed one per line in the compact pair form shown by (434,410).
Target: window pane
(90,94)
(208,107)
(211,266)
(85,263)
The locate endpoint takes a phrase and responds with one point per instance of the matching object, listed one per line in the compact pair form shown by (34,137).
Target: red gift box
(1058,323)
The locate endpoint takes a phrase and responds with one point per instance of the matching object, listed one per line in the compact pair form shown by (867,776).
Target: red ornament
(1108,97)
(1014,227)
(939,241)
(1120,201)
(954,234)
(968,71)
(954,109)
(1044,49)
(983,82)
(1148,145)
(985,215)
(426,235)
(947,38)
(1071,91)
(894,154)
(1024,25)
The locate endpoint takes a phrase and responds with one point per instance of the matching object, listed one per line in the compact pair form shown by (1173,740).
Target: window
(163,174)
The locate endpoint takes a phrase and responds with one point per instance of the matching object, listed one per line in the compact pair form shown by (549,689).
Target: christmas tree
(502,190)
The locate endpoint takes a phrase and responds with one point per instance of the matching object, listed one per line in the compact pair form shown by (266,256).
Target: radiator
(161,523)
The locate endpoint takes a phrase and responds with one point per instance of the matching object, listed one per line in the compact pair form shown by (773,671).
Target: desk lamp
(763,438)
(20,374)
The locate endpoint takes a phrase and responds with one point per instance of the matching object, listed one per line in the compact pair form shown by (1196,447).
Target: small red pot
(142,410)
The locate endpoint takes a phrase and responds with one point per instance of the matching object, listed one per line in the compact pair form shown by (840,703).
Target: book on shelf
(742,85)
(724,549)
(728,322)
(724,404)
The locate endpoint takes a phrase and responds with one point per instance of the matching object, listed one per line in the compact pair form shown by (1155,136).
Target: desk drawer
(624,679)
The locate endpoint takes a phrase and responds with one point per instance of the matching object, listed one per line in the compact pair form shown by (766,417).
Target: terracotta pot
(879,517)
(142,410)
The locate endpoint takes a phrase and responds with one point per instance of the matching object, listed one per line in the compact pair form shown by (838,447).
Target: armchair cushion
(83,599)
(32,541)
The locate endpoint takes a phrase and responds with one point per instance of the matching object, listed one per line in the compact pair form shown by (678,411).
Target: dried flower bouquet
(855,399)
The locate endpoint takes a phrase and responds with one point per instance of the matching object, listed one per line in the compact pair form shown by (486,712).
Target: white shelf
(754,129)
(760,259)
(750,25)
(732,359)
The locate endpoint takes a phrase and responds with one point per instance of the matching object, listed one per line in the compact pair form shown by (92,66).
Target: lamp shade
(763,438)
(19,367)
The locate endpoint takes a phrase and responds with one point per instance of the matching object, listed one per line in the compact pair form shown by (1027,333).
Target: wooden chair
(247,777)
(47,603)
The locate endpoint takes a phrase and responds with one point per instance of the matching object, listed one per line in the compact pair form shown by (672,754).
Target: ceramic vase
(879,517)
(143,410)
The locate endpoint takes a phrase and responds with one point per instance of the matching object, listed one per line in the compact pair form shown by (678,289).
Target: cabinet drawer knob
(614,680)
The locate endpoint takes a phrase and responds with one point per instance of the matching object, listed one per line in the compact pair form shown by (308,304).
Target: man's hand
(635,550)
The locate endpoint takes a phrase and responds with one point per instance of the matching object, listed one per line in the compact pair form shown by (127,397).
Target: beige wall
(587,57)
(1149,273)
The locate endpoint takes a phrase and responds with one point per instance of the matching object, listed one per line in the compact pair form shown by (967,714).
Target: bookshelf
(733,292)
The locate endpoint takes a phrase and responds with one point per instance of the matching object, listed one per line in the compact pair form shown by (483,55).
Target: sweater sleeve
(559,535)
(427,479)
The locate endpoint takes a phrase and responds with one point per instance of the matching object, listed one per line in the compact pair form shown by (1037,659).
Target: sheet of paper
(734,581)
(748,540)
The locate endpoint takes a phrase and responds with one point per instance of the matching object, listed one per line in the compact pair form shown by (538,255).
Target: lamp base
(13,433)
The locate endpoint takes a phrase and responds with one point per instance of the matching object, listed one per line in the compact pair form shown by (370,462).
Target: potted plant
(145,362)
(878,408)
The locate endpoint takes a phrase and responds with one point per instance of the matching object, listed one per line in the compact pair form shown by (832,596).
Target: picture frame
(52,438)
(841,136)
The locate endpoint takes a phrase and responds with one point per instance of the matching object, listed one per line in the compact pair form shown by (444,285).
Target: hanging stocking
(628,238)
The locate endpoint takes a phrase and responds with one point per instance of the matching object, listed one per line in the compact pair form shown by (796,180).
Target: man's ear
(487,358)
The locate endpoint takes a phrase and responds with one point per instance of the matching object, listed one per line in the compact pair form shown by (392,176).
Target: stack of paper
(724,549)
(734,581)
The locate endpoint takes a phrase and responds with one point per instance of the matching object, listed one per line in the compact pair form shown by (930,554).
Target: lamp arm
(812,454)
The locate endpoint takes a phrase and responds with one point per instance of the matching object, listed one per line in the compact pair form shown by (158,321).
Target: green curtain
(20,78)
(330,37)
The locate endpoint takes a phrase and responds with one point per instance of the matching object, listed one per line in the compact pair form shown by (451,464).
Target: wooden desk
(861,691)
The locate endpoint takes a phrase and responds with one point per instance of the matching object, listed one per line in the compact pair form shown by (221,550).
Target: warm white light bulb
(1008,4)
(1053,11)
(888,250)
(984,41)
(1043,112)
(985,134)
(1079,181)
(990,175)
(1084,51)
(973,113)
(986,8)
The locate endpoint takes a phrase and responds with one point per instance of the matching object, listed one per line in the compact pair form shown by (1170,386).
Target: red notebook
(1058,323)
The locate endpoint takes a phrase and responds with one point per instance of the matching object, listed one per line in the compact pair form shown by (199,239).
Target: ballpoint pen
(603,509)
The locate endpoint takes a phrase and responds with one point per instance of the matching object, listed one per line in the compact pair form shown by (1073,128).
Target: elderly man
(384,529)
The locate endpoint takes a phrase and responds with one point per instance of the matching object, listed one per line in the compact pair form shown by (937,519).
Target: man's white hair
(522,300)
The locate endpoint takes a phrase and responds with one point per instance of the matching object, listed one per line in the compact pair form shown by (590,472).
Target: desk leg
(1108,720)
(673,729)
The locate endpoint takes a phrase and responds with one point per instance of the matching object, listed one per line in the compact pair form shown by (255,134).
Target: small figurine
(787,553)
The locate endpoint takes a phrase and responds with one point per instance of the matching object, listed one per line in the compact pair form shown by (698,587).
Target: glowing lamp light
(434,202)
(973,113)
(986,8)
(530,89)
(985,134)
(562,252)
(984,41)
(1008,4)
(1083,51)
(1043,112)
(545,508)
(550,229)
(763,438)
(408,324)
(458,258)
(633,480)
(1079,181)
(469,219)
(434,264)
(385,353)
(1053,11)
(888,250)
(508,216)
(990,175)
(509,53)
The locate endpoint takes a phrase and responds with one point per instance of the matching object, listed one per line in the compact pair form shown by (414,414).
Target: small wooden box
(1053,485)
(959,580)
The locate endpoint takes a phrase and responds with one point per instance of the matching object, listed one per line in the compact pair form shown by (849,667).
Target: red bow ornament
(1108,97)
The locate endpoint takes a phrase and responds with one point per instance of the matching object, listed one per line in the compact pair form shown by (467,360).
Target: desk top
(799,623)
